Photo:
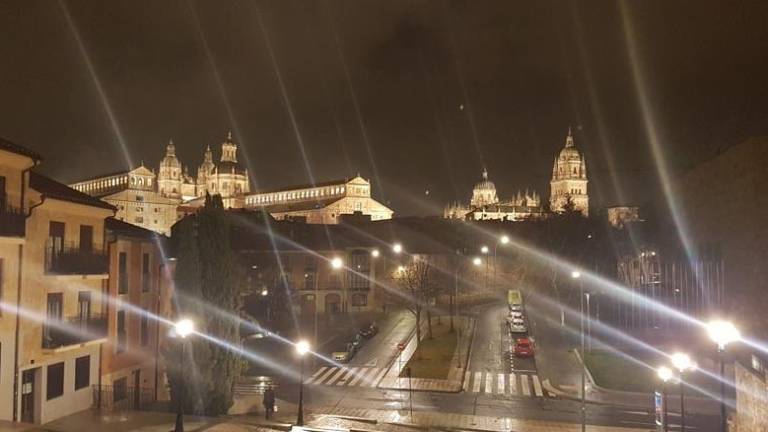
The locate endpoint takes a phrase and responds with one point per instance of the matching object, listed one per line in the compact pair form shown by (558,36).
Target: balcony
(75,260)
(74,331)
(12,222)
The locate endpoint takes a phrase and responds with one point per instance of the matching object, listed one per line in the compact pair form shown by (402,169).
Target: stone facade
(751,400)
(569,179)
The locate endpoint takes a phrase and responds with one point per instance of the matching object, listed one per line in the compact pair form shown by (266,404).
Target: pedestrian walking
(269,402)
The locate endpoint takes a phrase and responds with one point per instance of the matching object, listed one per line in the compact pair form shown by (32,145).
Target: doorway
(137,389)
(28,396)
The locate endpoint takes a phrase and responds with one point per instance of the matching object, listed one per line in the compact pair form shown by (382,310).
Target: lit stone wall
(751,401)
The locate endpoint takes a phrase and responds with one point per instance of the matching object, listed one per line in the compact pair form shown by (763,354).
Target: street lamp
(484,249)
(264,292)
(665,374)
(336,263)
(683,363)
(503,240)
(397,248)
(722,333)
(302,347)
(182,328)
(375,253)
(576,275)
(477,261)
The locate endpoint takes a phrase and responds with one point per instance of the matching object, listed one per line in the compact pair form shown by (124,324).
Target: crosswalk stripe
(338,375)
(512,385)
(476,385)
(467,377)
(360,374)
(537,386)
(524,385)
(488,383)
(378,378)
(500,387)
(315,375)
(325,376)
(346,379)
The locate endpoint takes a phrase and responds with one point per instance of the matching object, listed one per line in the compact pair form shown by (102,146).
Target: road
(494,385)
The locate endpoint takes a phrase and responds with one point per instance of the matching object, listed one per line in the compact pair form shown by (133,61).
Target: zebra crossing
(511,384)
(346,376)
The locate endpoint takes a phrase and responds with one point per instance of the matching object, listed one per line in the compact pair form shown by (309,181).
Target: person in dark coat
(269,402)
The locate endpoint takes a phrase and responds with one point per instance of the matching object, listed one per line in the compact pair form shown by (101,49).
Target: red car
(523,348)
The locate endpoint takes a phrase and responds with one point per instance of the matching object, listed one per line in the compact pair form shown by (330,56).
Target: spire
(569,139)
(485,174)
(229,136)
(208,156)
(170,149)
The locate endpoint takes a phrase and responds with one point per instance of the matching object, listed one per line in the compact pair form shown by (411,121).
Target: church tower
(569,179)
(169,178)
(484,192)
(205,173)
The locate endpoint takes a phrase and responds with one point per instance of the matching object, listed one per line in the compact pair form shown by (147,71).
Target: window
(122,336)
(141,198)
(145,275)
(2,287)
(3,196)
(359,299)
(55,381)
(145,329)
(86,238)
(360,266)
(56,236)
(139,219)
(309,279)
(122,273)
(139,209)
(119,389)
(53,313)
(82,372)
(84,307)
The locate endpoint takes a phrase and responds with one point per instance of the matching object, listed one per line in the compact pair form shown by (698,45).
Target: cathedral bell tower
(569,179)
(169,178)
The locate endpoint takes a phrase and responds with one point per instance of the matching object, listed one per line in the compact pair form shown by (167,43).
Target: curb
(353,418)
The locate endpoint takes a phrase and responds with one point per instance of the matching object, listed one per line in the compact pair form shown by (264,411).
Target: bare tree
(418,289)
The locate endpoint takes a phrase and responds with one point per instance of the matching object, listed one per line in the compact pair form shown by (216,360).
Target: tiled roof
(129,230)
(15,148)
(52,189)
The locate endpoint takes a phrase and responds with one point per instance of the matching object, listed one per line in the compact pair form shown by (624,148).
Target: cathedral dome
(569,152)
(170,160)
(484,192)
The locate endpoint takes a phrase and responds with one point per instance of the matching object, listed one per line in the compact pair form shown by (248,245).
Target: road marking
(315,375)
(500,382)
(478,381)
(488,383)
(378,378)
(467,377)
(524,385)
(325,376)
(537,386)
(512,385)
(372,363)
(337,376)
(360,374)
(346,379)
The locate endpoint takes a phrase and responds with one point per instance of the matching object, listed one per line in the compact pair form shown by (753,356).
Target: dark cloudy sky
(523,70)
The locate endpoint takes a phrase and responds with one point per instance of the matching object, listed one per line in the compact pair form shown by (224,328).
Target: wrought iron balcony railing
(12,222)
(73,331)
(75,260)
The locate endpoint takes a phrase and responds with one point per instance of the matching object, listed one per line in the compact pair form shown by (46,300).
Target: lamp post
(302,347)
(484,250)
(665,374)
(722,333)
(576,275)
(682,363)
(397,248)
(183,328)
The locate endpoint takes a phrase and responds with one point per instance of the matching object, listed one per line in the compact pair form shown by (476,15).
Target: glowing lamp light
(682,362)
(722,333)
(504,239)
(336,263)
(264,293)
(302,347)
(665,373)
(477,261)
(184,327)
(484,249)
(575,274)
(375,253)
(400,269)
(397,248)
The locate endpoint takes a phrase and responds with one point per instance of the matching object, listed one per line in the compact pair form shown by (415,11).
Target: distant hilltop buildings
(157,201)
(568,188)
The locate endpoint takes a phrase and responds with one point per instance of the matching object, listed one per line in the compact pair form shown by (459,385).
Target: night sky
(443,88)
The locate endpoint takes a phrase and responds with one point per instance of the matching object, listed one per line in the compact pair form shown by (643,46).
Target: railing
(12,222)
(75,260)
(109,398)
(73,331)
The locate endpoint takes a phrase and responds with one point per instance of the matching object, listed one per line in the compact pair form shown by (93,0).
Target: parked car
(345,354)
(356,343)
(517,327)
(523,348)
(369,331)
(516,308)
(515,314)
